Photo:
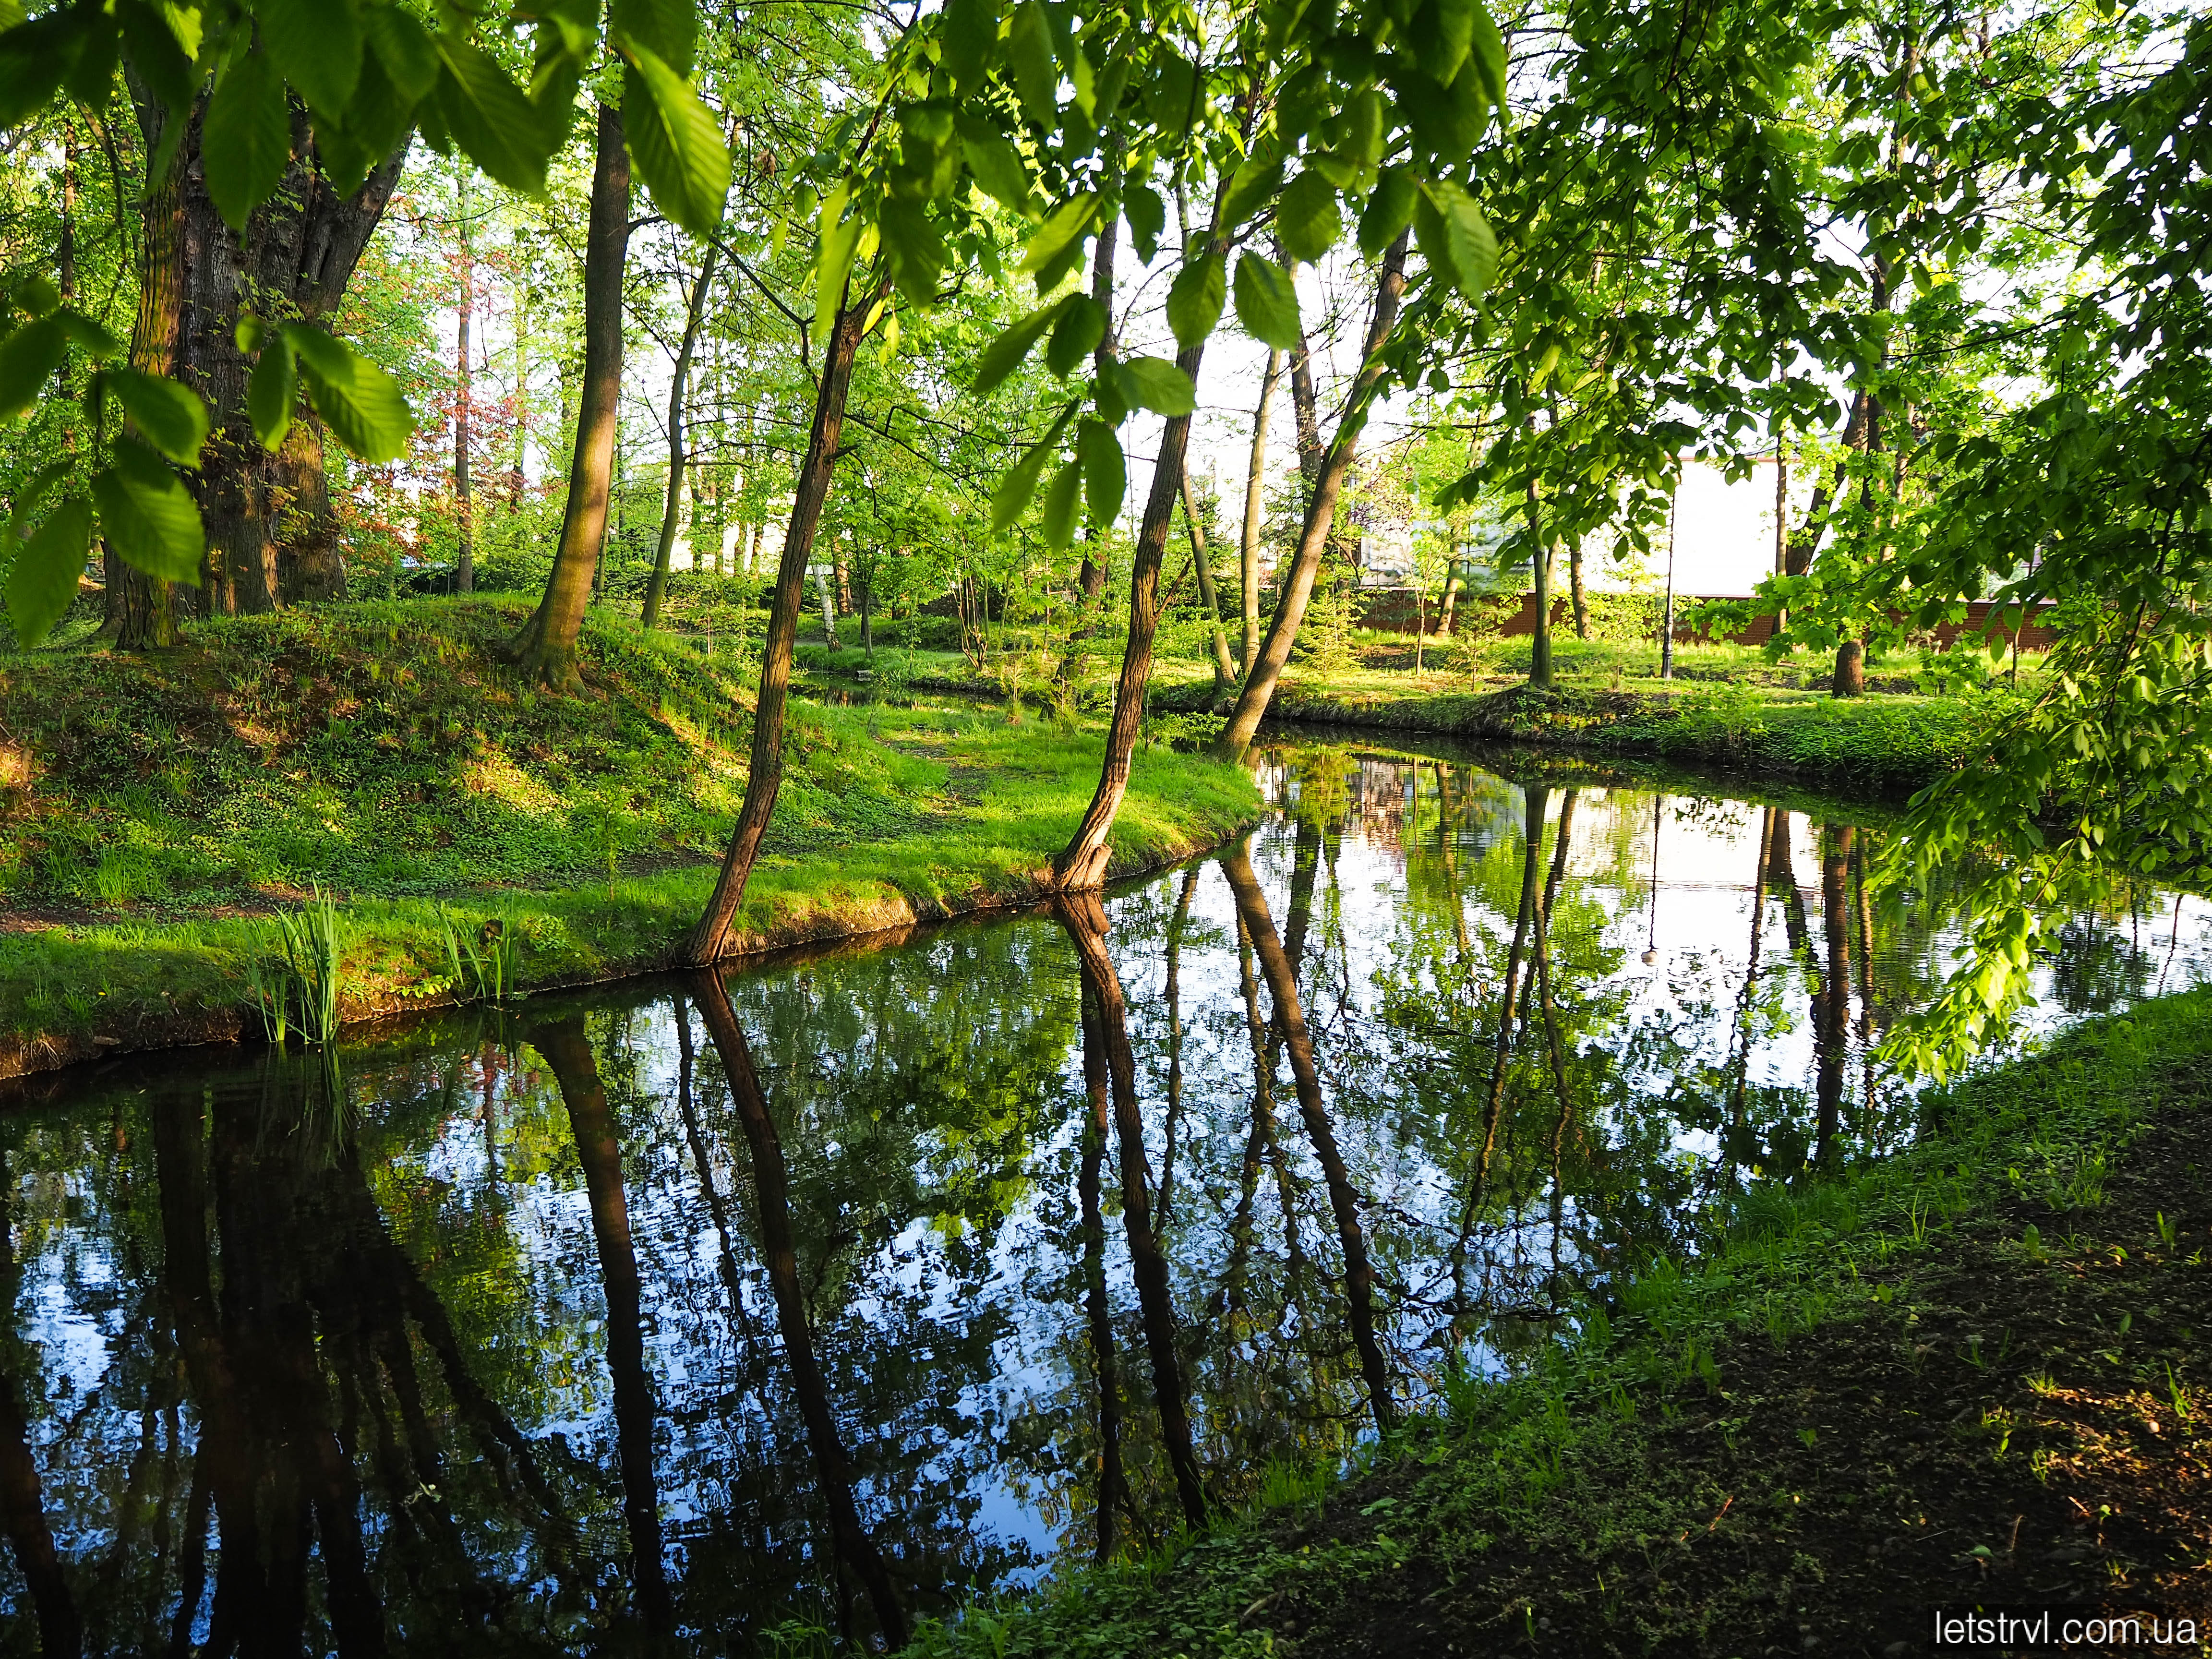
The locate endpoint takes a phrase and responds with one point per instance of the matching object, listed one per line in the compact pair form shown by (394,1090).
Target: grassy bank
(1890,740)
(1973,1373)
(154,812)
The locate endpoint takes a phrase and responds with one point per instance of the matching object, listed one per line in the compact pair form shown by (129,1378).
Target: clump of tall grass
(487,967)
(297,977)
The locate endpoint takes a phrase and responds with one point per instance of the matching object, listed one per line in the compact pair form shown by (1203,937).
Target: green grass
(1561,1472)
(162,806)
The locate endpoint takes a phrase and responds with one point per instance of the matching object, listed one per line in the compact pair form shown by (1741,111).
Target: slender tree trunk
(465,569)
(1575,587)
(1274,653)
(568,1052)
(1540,651)
(521,399)
(828,607)
(1224,671)
(1255,488)
(1090,582)
(810,490)
(772,1191)
(1105,1028)
(1278,969)
(673,512)
(545,649)
(1082,863)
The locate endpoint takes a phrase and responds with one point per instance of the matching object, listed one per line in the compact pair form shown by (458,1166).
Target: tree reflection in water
(932,1262)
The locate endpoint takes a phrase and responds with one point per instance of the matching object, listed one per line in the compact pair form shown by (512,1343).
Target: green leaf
(1060,504)
(47,569)
(84,332)
(996,164)
(317,44)
(970,39)
(1266,303)
(270,394)
(1471,244)
(1011,498)
(246,143)
(669,29)
(1306,218)
(1156,384)
(1488,51)
(28,358)
(1036,77)
(1105,470)
(1005,354)
(169,414)
(357,400)
(487,116)
(1061,226)
(159,61)
(1252,187)
(841,243)
(34,58)
(1147,215)
(404,47)
(676,143)
(148,517)
(1081,326)
(1443,30)
(913,246)
(1389,211)
(91,77)
(1195,298)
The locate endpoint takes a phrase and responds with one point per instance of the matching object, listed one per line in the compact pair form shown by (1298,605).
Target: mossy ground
(157,809)
(1974,1373)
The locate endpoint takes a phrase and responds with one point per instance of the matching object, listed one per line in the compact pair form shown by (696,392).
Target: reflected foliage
(738,1316)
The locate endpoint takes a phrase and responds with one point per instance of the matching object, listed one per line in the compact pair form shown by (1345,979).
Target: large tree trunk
(545,649)
(141,611)
(271,537)
(1255,487)
(673,510)
(1328,483)
(765,774)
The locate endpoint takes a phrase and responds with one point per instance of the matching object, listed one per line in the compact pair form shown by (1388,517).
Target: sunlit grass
(155,836)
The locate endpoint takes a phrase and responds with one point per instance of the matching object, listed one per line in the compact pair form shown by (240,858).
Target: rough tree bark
(546,648)
(810,491)
(678,386)
(272,538)
(1327,484)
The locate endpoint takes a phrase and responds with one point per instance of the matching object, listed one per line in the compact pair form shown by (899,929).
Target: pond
(768,1315)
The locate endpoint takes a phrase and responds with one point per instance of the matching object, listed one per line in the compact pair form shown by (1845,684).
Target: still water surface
(769,1316)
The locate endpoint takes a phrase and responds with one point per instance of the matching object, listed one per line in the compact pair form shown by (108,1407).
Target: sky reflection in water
(654,1316)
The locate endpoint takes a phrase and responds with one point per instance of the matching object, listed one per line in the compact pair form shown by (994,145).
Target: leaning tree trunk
(1082,863)
(1254,483)
(1540,555)
(545,649)
(765,776)
(465,568)
(272,538)
(678,385)
(1328,483)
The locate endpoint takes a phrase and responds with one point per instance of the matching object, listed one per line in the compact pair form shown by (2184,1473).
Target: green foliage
(298,979)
